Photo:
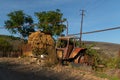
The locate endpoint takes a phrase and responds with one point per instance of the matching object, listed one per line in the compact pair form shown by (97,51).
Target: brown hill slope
(111,49)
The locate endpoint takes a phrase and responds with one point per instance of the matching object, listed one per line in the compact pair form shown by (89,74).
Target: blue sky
(99,14)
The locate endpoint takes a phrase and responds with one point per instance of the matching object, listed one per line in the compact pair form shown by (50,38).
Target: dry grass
(21,67)
(109,49)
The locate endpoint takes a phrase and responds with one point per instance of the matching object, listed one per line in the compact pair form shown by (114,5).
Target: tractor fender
(75,52)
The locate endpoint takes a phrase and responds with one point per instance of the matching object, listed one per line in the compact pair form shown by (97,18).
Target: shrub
(5,47)
(113,62)
(96,56)
(118,60)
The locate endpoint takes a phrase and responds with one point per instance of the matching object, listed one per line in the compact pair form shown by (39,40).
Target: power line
(101,30)
(96,31)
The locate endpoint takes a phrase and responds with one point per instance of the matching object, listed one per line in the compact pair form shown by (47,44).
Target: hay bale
(40,40)
(42,43)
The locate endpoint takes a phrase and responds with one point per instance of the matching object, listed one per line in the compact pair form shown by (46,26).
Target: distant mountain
(9,37)
(111,49)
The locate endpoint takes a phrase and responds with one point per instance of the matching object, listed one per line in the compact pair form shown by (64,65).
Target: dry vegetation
(43,43)
(30,68)
(40,40)
(25,69)
(110,49)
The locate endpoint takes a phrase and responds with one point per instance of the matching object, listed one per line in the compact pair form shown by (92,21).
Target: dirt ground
(27,69)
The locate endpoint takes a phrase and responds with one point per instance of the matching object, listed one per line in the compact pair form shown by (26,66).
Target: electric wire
(96,31)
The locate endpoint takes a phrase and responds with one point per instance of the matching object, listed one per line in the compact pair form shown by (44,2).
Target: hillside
(9,37)
(111,49)
(15,41)
(10,46)
(28,68)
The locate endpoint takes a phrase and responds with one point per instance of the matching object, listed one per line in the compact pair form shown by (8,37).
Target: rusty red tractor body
(67,49)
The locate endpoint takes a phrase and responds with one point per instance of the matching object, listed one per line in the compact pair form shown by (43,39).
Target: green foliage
(114,78)
(5,46)
(118,63)
(61,43)
(90,51)
(51,22)
(118,60)
(10,46)
(95,55)
(13,38)
(101,58)
(19,22)
(113,62)
(103,75)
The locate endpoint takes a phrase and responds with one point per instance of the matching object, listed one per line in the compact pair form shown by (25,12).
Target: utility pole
(67,28)
(82,15)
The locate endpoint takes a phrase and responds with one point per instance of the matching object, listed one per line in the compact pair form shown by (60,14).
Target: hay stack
(43,43)
(40,40)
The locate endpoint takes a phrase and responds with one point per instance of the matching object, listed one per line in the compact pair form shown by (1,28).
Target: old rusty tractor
(68,50)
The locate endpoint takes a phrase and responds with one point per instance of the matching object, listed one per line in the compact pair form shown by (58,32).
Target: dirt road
(6,74)
(15,69)
(25,73)
(19,69)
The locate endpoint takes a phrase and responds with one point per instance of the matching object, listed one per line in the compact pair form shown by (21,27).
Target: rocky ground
(27,69)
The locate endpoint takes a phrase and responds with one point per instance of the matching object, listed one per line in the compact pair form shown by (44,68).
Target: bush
(96,56)
(52,55)
(118,63)
(112,62)
(103,75)
(92,53)
(118,60)
(5,47)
